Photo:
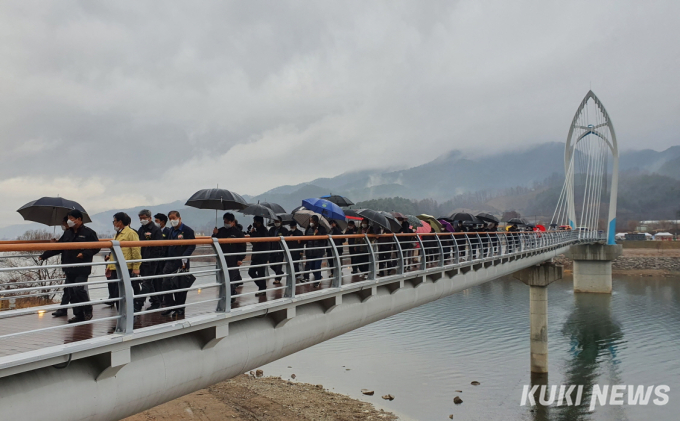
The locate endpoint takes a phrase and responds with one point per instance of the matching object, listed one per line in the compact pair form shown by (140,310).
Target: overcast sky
(117,104)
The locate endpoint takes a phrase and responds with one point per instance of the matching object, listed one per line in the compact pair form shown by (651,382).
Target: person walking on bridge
(77,274)
(276,255)
(259,256)
(148,231)
(296,247)
(65,238)
(160,220)
(179,231)
(315,250)
(234,253)
(121,223)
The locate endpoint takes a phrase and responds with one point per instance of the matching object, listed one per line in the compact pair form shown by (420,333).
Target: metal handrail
(491,245)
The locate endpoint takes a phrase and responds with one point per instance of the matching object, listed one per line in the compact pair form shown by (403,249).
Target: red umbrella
(540,227)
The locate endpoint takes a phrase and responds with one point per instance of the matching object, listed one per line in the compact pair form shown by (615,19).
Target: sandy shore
(267,398)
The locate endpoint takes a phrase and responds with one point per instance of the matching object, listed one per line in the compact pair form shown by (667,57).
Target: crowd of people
(160,279)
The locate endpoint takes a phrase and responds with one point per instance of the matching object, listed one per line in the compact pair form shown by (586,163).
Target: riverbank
(249,398)
(640,262)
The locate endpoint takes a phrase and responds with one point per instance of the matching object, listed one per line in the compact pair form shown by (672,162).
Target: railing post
(423,255)
(337,274)
(491,253)
(126,307)
(441,251)
(291,276)
(400,252)
(456,259)
(222,275)
(371,258)
(468,255)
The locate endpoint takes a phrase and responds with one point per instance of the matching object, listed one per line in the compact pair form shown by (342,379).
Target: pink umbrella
(425,228)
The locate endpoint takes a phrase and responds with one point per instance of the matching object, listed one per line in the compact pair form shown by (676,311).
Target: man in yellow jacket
(121,223)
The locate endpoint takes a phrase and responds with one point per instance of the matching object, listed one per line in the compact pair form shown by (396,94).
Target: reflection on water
(423,356)
(594,337)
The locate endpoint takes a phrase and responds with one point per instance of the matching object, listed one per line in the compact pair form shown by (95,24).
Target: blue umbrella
(324,208)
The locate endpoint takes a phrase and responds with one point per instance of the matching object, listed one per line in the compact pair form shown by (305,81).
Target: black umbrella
(374,216)
(338,200)
(464,216)
(274,206)
(218,199)
(259,210)
(517,221)
(352,213)
(488,217)
(50,210)
(285,217)
(395,225)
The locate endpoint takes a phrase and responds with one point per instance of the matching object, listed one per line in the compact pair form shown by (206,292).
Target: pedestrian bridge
(121,362)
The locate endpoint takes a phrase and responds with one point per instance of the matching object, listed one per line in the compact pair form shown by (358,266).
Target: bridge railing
(213,275)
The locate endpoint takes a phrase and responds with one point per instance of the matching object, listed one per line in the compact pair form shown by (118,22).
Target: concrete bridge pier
(538,278)
(593,266)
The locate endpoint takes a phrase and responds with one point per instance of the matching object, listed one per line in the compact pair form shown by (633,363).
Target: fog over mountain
(527,179)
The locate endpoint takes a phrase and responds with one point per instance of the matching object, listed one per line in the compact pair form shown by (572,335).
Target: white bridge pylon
(590,142)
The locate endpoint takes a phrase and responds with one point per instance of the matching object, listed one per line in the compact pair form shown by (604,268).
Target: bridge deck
(69,334)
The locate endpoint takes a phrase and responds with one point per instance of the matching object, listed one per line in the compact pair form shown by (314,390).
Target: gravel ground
(267,398)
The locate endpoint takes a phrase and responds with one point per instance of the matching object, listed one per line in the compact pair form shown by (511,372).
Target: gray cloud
(123,103)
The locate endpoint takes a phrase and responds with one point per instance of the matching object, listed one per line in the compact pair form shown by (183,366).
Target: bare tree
(34,275)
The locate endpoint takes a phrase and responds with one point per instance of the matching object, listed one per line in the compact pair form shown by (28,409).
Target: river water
(422,356)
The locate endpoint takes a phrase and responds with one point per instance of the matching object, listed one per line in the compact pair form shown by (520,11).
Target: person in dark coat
(234,253)
(296,247)
(385,246)
(351,230)
(77,274)
(364,248)
(179,231)
(314,252)
(406,241)
(335,230)
(65,238)
(148,231)
(258,230)
(276,256)
(160,220)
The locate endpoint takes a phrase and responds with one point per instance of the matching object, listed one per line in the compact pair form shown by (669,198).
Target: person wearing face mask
(121,224)
(160,220)
(296,247)
(77,274)
(149,231)
(179,231)
(65,237)
(276,256)
(234,253)
(315,251)
(259,257)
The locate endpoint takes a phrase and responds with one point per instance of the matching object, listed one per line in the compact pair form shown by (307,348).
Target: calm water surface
(424,355)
